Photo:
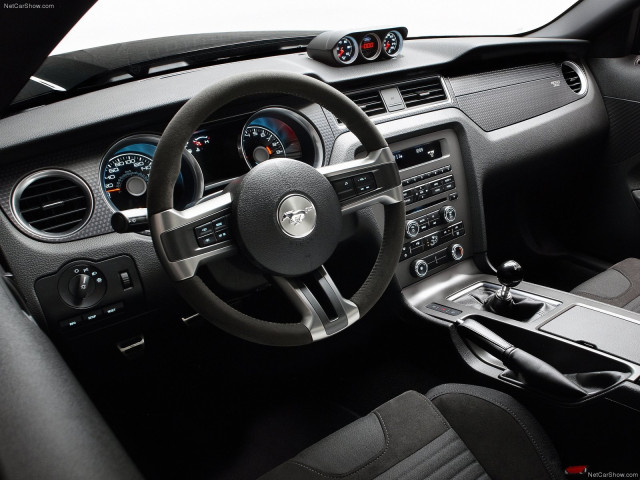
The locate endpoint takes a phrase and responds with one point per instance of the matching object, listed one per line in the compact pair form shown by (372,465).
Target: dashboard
(451,118)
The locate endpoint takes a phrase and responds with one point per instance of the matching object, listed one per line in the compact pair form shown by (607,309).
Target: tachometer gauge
(370,46)
(125,179)
(392,43)
(276,132)
(346,50)
(259,143)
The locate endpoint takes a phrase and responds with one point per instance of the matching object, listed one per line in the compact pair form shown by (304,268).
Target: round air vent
(574,77)
(52,203)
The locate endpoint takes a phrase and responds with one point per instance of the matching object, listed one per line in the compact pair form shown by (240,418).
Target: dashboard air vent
(52,203)
(370,102)
(422,92)
(574,77)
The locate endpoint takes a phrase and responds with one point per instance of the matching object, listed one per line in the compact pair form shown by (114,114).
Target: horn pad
(286,217)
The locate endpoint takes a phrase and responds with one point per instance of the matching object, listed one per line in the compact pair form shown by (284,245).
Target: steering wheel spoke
(194,236)
(365,182)
(323,309)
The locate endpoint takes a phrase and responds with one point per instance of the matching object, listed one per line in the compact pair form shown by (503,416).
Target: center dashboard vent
(370,102)
(52,203)
(414,94)
(422,92)
(574,77)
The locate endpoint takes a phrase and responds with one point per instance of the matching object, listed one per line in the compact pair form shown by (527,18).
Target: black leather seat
(618,286)
(453,432)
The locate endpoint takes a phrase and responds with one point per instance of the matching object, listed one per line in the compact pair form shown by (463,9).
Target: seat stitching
(329,475)
(437,412)
(420,463)
(545,461)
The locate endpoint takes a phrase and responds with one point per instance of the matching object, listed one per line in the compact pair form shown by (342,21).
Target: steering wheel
(284,216)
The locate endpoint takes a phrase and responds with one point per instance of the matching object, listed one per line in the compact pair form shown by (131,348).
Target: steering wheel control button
(344,188)
(412,229)
(297,216)
(212,232)
(203,230)
(364,183)
(457,252)
(419,268)
(220,223)
(206,241)
(222,235)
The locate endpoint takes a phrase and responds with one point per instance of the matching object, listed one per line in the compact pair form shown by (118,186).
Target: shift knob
(510,273)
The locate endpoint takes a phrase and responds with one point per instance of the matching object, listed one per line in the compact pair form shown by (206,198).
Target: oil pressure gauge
(346,50)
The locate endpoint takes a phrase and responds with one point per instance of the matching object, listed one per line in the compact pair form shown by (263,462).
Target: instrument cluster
(216,153)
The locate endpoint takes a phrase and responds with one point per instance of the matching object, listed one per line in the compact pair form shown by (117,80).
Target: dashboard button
(113,309)
(70,323)
(91,316)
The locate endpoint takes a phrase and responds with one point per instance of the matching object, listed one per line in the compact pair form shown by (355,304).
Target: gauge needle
(269,150)
(113,190)
(341,52)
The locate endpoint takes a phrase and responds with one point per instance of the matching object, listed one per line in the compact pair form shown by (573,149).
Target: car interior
(348,254)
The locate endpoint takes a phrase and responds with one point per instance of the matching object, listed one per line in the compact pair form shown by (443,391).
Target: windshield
(116,21)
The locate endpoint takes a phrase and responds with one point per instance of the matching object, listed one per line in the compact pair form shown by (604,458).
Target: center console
(438,221)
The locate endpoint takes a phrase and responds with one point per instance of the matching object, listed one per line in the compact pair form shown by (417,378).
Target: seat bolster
(371,445)
(502,435)
(618,286)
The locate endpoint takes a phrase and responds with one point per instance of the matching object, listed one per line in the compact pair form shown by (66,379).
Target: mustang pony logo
(296,217)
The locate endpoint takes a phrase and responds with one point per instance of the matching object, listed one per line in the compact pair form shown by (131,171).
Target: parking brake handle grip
(534,372)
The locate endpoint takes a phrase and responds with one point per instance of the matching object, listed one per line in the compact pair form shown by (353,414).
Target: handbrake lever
(533,371)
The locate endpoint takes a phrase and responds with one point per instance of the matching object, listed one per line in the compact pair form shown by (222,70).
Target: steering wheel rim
(177,249)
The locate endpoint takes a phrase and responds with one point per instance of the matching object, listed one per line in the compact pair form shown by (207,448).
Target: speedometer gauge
(125,170)
(125,179)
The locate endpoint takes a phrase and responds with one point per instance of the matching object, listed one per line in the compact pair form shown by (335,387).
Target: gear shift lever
(510,275)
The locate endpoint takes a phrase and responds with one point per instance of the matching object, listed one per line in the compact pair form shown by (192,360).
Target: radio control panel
(435,195)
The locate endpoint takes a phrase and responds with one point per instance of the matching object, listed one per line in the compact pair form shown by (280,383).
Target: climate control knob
(412,229)
(457,252)
(448,214)
(419,268)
